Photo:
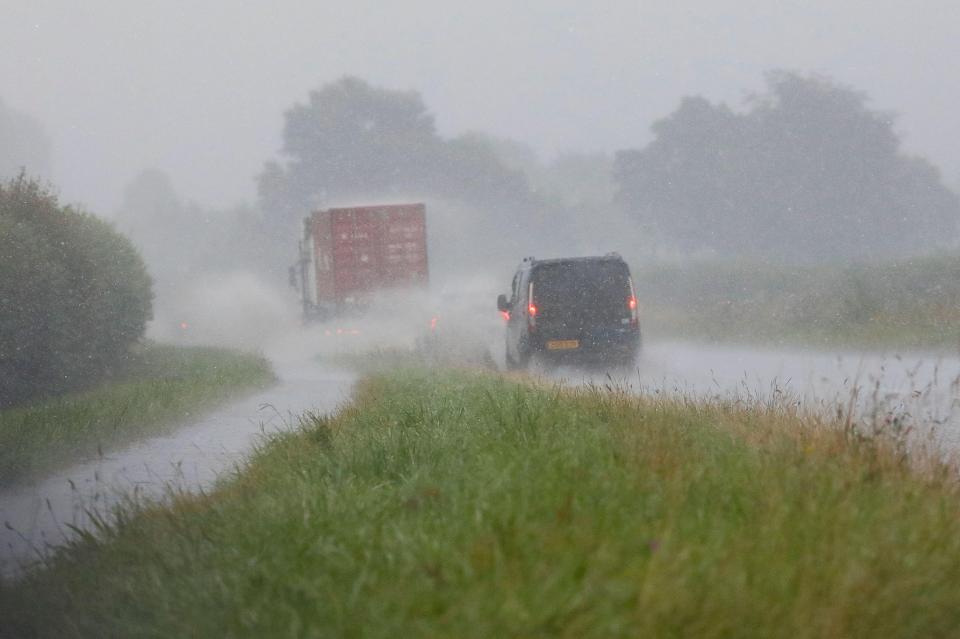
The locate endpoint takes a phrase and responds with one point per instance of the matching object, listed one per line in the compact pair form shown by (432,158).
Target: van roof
(609,257)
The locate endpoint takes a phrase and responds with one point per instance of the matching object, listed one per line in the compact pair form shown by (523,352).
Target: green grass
(909,303)
(159,387)
(470,505)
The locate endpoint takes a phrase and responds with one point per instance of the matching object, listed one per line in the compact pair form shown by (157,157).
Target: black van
(581,309)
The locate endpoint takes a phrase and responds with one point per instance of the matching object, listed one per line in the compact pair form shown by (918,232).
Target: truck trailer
(347,254)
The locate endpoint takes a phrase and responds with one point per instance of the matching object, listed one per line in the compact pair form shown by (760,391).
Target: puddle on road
(921,387)
(191,459)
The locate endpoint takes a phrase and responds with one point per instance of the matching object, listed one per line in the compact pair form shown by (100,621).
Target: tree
(74,293)
(352,141)
(181,240)
(349,140)
(808,172)
(680,184)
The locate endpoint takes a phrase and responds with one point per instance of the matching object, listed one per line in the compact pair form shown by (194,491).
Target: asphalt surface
(923,388)
(37,516)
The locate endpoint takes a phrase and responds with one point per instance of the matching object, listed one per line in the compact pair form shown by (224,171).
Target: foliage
(807,173)
(489,200)
(75,294)
(180,240)
(463,505)
(905,303)
(354,141)
(157,387)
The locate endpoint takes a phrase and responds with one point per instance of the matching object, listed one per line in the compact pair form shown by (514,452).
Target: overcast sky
(198,88)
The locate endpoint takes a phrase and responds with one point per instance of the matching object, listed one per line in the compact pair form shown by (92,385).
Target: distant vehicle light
(532,310)
(329,332)
(505,315)
(433,323)
(184,326)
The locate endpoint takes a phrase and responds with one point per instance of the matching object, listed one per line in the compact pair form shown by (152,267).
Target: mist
(207,133)
(498,274)
(198,90)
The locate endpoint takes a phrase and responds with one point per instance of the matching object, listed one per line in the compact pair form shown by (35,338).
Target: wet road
(921,385)
(191,459)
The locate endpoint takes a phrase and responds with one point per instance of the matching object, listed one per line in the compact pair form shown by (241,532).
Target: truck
(347,254)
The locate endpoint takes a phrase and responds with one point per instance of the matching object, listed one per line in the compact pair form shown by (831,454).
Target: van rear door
(577,298)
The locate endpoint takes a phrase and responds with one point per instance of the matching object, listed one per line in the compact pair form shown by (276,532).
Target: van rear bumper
(597,345)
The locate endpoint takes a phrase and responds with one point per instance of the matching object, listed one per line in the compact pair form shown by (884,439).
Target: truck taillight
(532,310)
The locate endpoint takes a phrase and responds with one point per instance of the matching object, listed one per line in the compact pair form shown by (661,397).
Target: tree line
(808,172)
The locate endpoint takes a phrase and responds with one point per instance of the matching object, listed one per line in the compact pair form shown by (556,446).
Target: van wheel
(524,361)
(518,365)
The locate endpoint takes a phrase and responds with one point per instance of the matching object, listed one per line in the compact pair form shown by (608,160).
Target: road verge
(472,505)
(159,387)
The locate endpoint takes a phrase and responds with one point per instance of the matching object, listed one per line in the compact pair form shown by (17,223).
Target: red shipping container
(349,253)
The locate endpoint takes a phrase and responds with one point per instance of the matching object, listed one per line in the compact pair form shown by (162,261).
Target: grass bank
(911,304)
(470,505)
(159,386)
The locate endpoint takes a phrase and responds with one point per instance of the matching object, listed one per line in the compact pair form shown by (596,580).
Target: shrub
(74,295)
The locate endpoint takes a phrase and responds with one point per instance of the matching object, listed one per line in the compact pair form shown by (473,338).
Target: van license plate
(562,344)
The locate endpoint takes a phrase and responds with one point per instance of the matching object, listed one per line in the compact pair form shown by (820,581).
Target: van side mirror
(502,304)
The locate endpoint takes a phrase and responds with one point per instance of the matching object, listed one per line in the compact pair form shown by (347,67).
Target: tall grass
(909,303)
(159,386)
(466,505)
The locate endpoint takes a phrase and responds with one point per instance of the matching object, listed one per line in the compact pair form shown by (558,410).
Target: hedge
(74,295)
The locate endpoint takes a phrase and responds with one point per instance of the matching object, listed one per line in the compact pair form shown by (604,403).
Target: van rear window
(581,286)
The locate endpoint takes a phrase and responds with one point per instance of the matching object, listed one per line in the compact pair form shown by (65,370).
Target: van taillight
(632,303)
(531,309)
(632,306)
